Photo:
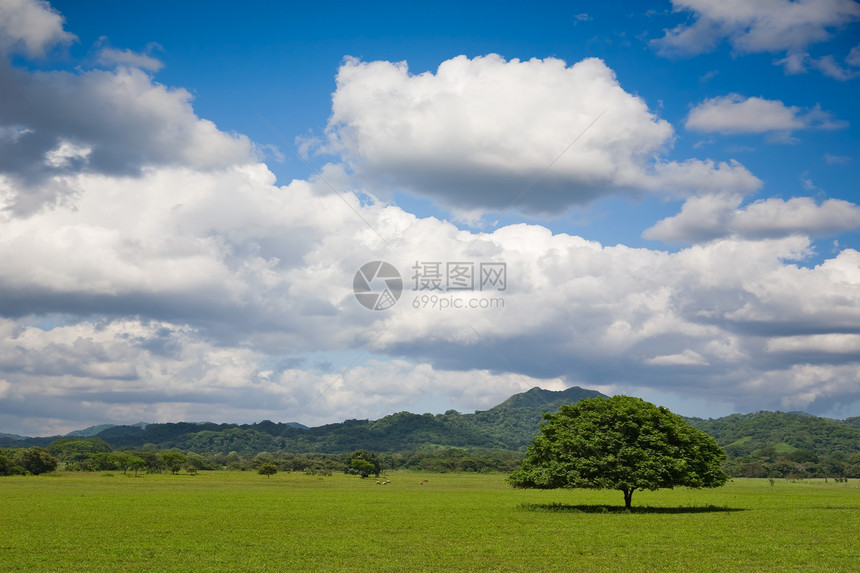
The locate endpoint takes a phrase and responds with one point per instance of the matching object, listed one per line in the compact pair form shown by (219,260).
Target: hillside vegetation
(763,444)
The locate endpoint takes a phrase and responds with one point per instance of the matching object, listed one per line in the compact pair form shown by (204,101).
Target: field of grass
(240,521)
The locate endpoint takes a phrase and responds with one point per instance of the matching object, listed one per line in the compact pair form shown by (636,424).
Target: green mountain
(552,399)
(89,432)
(746,434)
(768,442)
(509,426)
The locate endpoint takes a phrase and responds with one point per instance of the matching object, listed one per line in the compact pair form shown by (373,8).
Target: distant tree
(77,449)
(267,469)
(36,460)
(127,461)
(152,458)
(8,465)
(173,460)
(361,467)
(621,443)
(136,463)
(363,463)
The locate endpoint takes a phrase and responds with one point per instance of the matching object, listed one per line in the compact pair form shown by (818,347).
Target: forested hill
(510,426)
(781,433)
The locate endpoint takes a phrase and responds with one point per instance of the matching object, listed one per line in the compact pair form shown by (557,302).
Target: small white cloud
(715,216)
(686,358)
(794,63)
(734,114)
(782,138)
(828,66)
(113,57)
(66,153)
(831,159)
(807,183)
(800,63)
(819,343)
(30,26)
(764,26)
(708,76)
(853,58)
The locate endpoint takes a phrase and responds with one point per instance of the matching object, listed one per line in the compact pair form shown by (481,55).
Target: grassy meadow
(241,521)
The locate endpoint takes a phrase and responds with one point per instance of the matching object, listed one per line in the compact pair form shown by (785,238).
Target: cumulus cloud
(56,125)
(734,113)
(765,26)
(484,133)
(714,216)
(31,27)
(127,370)
(176,279)
(803,386)
(207,295)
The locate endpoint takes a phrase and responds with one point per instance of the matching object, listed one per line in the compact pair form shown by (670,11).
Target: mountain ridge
(510,425)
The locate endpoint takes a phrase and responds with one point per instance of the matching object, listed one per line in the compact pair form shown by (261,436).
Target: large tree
(619,443)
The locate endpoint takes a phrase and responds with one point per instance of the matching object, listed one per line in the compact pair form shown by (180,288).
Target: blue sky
(673,188)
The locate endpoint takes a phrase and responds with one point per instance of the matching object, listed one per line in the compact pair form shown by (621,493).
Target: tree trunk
(628,497)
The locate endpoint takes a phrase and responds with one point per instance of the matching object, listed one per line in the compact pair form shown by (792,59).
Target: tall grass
(240,521)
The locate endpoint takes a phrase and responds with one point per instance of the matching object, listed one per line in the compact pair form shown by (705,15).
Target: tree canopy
(621,443)
(267,469)
(363,463)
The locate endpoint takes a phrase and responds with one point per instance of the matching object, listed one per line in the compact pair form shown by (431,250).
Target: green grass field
(240,521)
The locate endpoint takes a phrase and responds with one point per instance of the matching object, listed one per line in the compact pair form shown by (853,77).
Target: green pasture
(241,521)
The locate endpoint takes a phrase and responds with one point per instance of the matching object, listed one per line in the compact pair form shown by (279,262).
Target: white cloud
(853,58)
(30,26)
(808,185)
(817,343)
(715,216)
(485,133)
(176,280)
(735,114)
(213,290)
(805,385)
(686,358)
(831,159)
(828,66)
(124,120)
(112,56)
(770,26)
(701,219)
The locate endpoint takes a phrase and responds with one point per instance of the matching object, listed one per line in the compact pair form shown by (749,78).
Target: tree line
(762,444)
(94,454)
